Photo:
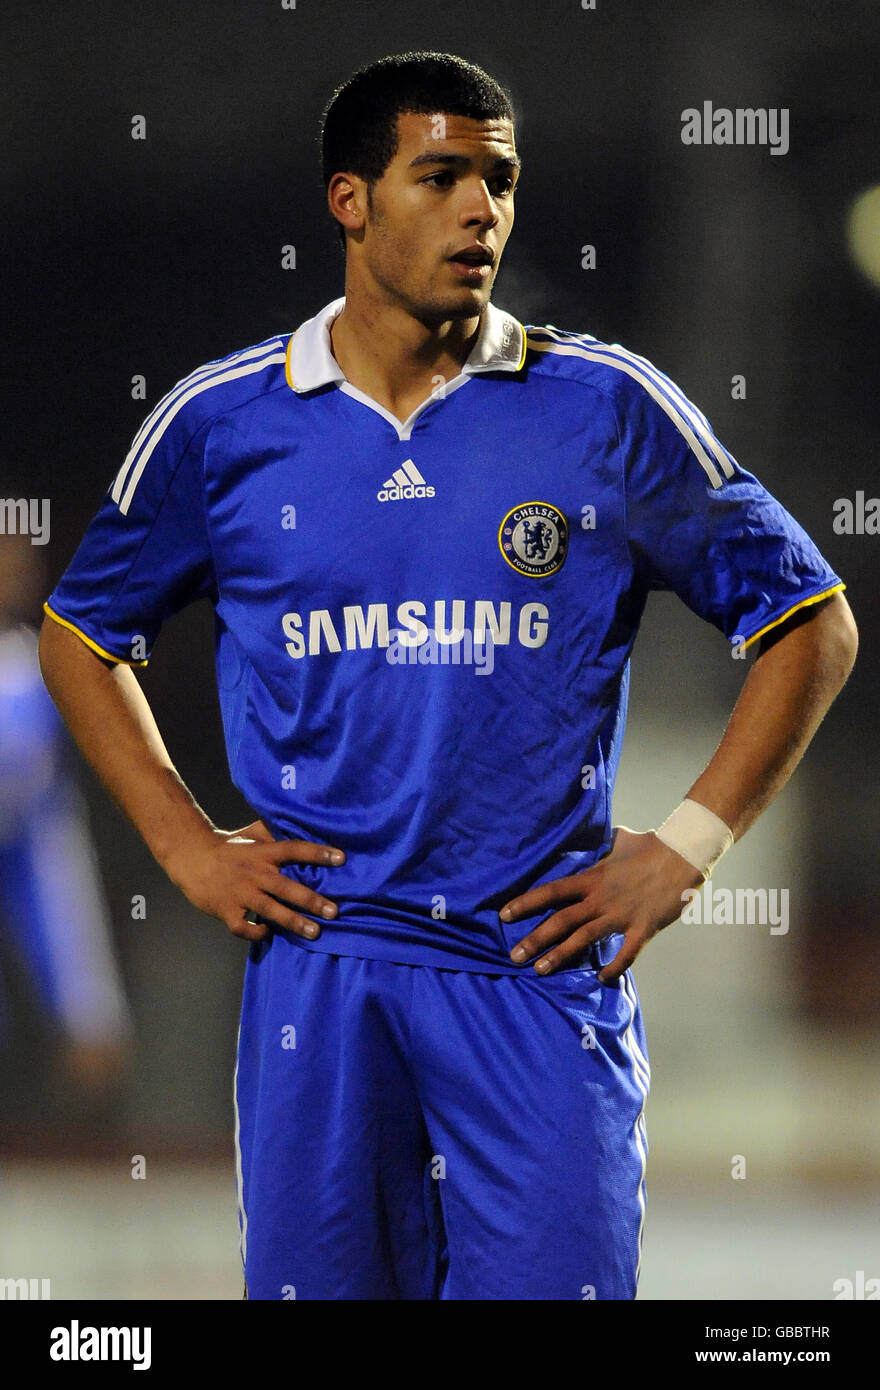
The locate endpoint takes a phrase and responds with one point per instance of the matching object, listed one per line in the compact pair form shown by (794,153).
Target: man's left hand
(635,889)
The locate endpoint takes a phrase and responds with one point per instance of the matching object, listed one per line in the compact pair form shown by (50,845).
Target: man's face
(449,187)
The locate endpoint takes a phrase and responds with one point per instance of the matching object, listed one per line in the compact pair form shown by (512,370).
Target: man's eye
(502,184)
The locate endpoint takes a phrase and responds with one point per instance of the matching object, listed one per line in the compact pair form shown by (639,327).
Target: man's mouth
(473,263)
(473,255)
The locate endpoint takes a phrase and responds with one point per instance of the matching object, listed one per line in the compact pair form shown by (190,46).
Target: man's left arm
(637,887)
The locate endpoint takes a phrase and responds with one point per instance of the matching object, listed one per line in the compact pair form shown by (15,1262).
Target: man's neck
(394,358)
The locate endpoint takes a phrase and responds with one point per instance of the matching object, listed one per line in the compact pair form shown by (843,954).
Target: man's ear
(348,200)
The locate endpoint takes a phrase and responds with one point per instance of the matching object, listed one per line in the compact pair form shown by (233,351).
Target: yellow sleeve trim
(111,656)
(836,588)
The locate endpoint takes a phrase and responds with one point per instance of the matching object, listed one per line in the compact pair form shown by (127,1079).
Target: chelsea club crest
(534,538)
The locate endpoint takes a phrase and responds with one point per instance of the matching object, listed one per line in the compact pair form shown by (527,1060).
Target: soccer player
(53,913)
(428,533)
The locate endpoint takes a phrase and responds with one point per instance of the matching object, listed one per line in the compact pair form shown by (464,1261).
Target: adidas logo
(405,481)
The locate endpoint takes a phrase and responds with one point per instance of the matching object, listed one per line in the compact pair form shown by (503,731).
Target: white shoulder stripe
(561,335)
(202,373)
(674,390)
(669,385)
(686,418)
(147,452)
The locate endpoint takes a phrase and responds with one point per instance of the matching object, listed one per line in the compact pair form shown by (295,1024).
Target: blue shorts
(409,1132)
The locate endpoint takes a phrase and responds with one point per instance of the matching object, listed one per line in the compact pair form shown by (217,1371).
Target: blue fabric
(452,787)
(407,1132)
(52,905)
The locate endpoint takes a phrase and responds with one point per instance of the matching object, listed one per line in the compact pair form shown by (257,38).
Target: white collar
(500,347)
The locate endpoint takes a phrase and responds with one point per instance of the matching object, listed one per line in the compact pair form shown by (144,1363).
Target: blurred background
(142,259)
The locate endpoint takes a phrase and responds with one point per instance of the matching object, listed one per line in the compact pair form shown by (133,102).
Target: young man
(428,533)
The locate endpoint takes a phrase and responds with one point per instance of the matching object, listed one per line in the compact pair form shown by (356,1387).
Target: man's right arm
(223,873)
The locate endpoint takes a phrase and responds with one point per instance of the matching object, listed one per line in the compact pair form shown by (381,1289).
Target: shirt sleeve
(146,554)
(702,526)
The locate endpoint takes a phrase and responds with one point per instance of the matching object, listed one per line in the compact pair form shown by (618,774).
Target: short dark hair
(359,123)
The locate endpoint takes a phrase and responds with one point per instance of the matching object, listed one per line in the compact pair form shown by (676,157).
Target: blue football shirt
(52,905)
(423,628)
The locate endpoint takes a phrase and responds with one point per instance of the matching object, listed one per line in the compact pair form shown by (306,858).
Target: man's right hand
(225,873)
(237,871)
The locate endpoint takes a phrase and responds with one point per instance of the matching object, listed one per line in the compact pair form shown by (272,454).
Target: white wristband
(697,834)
